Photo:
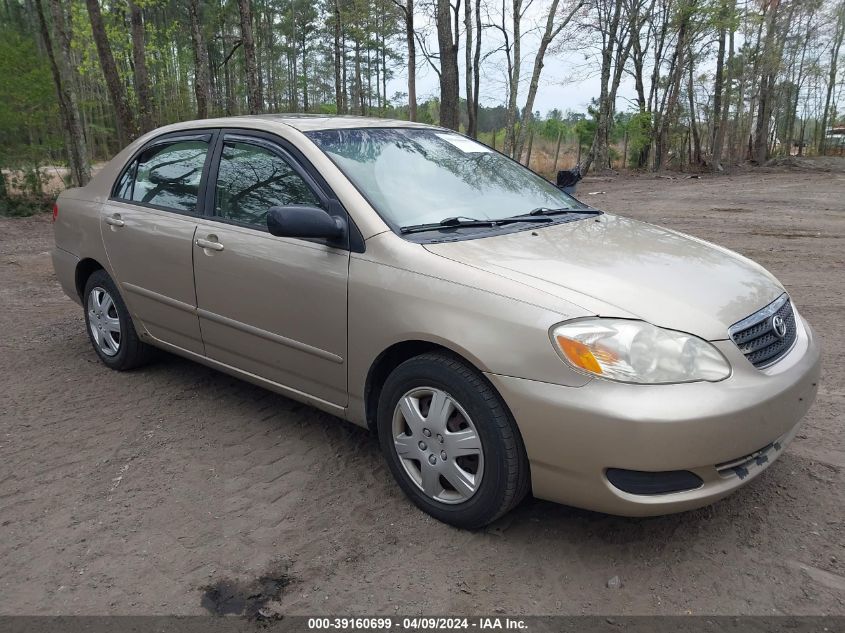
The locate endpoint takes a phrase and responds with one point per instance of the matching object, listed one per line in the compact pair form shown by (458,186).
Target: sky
(557,87)
(569,79)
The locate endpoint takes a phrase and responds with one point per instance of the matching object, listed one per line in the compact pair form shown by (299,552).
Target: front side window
(252,179)
(418,176)
(166,175)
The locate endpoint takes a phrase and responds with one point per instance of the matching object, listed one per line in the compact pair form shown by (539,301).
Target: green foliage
(639,136)
(551,127)
(28,114)
(22,192)
(429,112)
(585,129)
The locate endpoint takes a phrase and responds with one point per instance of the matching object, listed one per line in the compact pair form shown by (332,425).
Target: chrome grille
(757,337)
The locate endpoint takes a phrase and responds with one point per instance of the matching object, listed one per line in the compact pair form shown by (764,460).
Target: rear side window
(251,179)
(165,175)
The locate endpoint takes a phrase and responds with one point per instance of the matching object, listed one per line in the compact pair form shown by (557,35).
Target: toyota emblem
(779,326)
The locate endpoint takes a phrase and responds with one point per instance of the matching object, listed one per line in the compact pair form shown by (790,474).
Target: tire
(104,310)
(466,489)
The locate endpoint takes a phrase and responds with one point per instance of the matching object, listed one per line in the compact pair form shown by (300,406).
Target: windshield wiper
(548,211)
(461,222)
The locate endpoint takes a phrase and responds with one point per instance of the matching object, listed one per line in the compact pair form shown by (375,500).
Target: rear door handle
(209,244)
(114,220)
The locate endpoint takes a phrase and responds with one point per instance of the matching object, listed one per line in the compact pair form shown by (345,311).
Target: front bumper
(574,434)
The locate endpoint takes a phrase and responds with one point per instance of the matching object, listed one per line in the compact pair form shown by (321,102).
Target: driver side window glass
(169,175)
(251,179)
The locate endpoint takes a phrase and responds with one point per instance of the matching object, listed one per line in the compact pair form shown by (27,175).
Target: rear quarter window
(165,175)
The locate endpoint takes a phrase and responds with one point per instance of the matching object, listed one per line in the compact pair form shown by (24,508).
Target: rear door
(148,228)
(272,306)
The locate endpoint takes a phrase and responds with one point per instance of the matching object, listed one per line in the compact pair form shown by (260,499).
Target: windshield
(419,176)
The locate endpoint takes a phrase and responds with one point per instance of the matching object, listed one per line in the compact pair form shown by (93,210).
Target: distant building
(835,139)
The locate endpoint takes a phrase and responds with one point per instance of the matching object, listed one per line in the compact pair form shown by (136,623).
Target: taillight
(55,212)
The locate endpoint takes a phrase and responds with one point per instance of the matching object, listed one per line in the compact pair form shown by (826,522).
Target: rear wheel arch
(84,269)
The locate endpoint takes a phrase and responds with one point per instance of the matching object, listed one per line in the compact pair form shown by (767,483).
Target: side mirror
(300,221)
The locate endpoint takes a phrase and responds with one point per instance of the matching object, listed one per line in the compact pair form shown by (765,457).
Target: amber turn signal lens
(579,354)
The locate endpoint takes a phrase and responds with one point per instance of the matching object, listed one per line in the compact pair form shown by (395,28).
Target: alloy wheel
(103,321)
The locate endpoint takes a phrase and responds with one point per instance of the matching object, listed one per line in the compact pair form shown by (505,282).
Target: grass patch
(24,206)
(22,193)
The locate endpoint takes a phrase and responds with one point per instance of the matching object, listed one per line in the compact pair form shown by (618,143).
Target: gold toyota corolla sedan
(498,335)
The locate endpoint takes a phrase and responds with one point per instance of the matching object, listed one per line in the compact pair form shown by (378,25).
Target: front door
(274,307)
(148,228)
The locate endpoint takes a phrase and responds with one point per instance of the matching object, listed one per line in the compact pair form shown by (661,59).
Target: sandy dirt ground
(176,489)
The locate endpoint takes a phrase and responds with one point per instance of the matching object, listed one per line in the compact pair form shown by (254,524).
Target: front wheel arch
(390,359)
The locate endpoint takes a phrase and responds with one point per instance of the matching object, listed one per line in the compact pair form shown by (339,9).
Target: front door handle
(114,220)
(210,244)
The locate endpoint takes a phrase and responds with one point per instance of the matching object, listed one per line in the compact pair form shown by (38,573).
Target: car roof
(308,122)
(301,122)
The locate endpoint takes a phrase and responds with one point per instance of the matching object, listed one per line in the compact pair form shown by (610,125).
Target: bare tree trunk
(693,122)
(126,129)
(139,62)
(338,60)
(449,99)
(468,68)
(625,149)
(412,61)
(344,78)
(726,101)
(367,31)
(652,106)
(304,48)
(557,152)
(61,69)
(770,64)
(553,27)
(638,56)
(801,139)
(231,105)
(201,72)
(793,105)
(408,12)
(599,150)
(476,63)
(383,69)
(530,145)
(718,84)
(514,69)
(359,83)
(255,101)
(831,83)
(661,144)
(379,31)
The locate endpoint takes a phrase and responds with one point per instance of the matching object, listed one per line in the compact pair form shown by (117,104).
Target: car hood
(615,266)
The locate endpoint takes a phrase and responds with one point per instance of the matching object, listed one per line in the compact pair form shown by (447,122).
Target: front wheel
(450,441)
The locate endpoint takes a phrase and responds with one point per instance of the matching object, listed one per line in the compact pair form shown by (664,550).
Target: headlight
(636,351)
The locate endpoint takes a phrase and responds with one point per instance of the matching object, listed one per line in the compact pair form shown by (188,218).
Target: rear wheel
(450,441)
(110,327)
